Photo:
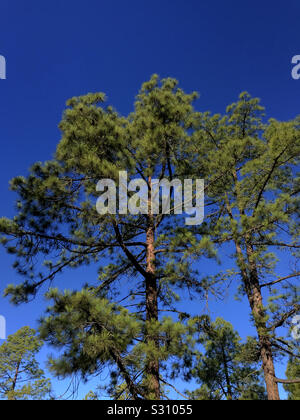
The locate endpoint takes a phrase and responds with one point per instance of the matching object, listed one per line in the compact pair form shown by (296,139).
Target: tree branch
(129,255)
(287,381)
(268,177)
(297,274)
(285,317)
(173,387)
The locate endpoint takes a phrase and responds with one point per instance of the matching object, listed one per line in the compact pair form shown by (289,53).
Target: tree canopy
(148,262)
(21,378)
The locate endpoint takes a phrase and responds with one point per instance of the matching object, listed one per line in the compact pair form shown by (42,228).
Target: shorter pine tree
(227,369)
(20,375)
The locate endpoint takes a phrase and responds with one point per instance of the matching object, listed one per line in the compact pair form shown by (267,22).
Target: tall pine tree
(255,208)
(140,264)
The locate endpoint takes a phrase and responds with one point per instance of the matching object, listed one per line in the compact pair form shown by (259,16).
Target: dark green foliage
(146,263)
(293,372)
(225,370)
(57,224)
(250,168)
(95,334)
(20,375)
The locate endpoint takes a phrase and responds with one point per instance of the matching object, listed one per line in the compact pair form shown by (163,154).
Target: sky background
(59,49)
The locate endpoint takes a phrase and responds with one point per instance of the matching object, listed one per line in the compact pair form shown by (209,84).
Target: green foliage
(20,375)
(91,396)
(250,167)
(147,264)
(91,331)
(225,370)
(57,223)
(293,372)
(95,334)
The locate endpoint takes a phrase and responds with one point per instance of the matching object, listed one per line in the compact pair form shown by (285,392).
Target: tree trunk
(253,290)
(269,369)
(14,384)
(152,367)
(256,303)
(255,299)
(229,395)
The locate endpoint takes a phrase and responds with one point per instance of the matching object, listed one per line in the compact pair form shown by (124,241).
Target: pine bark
(253,291)
(256,302)
(152,367)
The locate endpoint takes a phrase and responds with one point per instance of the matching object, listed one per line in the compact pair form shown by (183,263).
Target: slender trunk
(269,369)
(253,290)
(14,384)
(228,383)
(152,367)
(256,303)
(266,352)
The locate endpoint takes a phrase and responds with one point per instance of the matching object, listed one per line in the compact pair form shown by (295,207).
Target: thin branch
(129,255)
(279,244)
(297,274)
(285,317)
(285,350)
(268,177)
(287,381)
(173,387)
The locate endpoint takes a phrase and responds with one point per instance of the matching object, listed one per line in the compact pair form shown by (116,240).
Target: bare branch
(297,274)
(287,381)
(173,387)
(285,317)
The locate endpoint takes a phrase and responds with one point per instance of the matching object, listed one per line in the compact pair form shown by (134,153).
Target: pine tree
(226,369)
(20,375)
(145,260)
(255,207)
(140,264)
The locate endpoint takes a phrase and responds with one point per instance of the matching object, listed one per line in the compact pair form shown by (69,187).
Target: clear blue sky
(58,49)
